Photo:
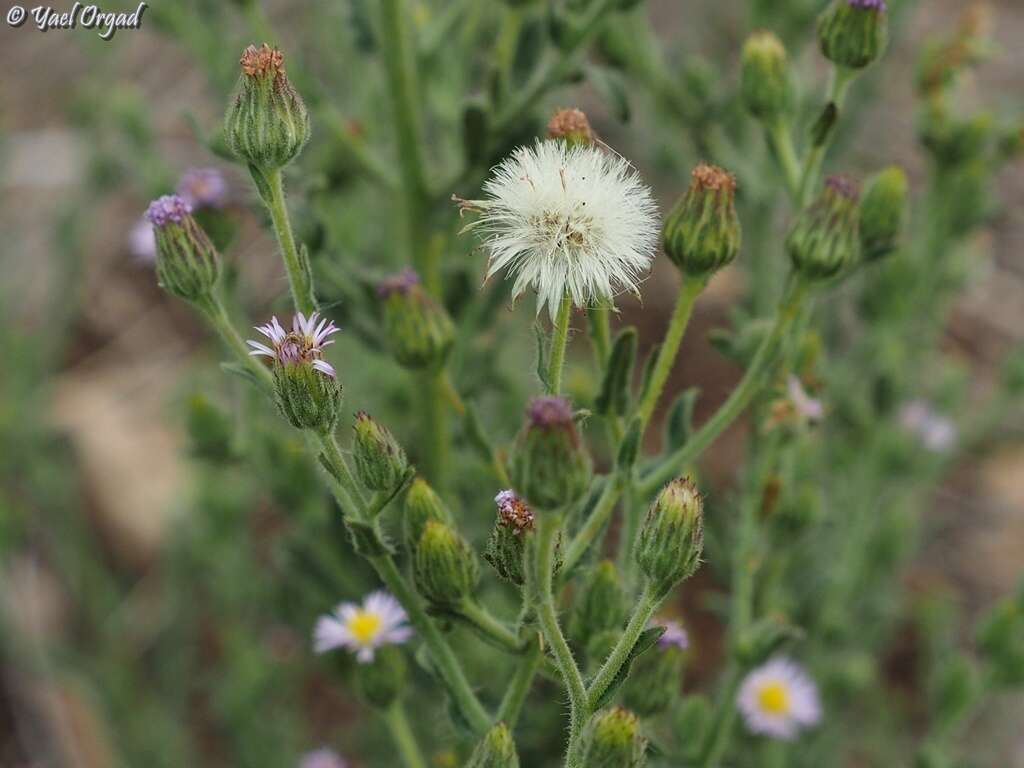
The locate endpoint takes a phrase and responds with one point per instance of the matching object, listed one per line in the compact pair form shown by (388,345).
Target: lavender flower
(674,637)
(203,188)
(142,241)
(303,344)
(779,699)
(380,620)
(400,282)
(934,431)
(322,758)
(167,209)
(876,5)
(808,407)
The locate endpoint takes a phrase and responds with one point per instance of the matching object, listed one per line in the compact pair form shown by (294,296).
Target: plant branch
(300,278)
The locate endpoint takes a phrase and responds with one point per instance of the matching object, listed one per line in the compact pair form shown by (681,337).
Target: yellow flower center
(773,698)
(364,626)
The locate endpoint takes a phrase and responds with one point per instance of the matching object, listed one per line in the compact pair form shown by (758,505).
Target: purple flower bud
(169,208)
(203,188)
(843,186)
(877,5)
(402,283)
(549,411)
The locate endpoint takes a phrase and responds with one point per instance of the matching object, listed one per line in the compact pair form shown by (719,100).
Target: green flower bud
(422,506)
(764,78)
(883,209)
(507,542)
(702,233)
(613,740)
(853,33)
(187,263)
(380,460)
(495,750)
(308,398)
(380,682)
(824,239)
(267,124)
(572,126)
(601,603)
(444,565)
(654,679)
(550,465)
(670,543)
(418,330)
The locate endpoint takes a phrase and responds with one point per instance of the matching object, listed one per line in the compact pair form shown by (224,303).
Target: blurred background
(145,617)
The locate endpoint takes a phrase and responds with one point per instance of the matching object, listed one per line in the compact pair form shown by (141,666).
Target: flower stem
(300,276)
(595,522)
(717,738)
(688,293)
(645,608)
(547,617)
(490,625)
(839,84)
(215,313)
(434,426)
(405,739)
(777,132)
(756,376)
(559,341)
(519,686)
(444,658)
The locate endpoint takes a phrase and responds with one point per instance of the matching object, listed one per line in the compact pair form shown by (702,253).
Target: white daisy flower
(778,699)
(563,219)
(380,620)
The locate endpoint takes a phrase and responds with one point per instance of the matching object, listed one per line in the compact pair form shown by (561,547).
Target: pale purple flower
(779,699)
(877,5)
(549,410)
(400,282)
(166,209)
(674,636)
(203,188)
(303,344)
(142,241)
(322,758)
(380,620)
(809,407)
(935,432)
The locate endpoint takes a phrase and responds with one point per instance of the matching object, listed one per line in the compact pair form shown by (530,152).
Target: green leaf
(262,186)
(529,49)
(679,422)
(649,364)
(643,643)
(629,448)
(614,396)
(542,354)
(240,370)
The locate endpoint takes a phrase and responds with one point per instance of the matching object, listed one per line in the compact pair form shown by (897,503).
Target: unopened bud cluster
(417,328)
(550,465)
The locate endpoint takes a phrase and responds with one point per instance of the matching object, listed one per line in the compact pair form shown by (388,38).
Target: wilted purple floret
(549,410)
(203,188)
(878,5)
(843,185)
(166,209)
(402,282)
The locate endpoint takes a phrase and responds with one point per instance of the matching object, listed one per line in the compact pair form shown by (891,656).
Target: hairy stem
(215,313)
(490,625)
(717,738)
(781,142)
(595,522)
(645,608)
(405,739)
(559,341)
(839,84)
(522,680)
(300,277)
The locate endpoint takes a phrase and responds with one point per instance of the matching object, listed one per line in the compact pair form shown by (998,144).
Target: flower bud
(422,506)
(495,750)
(187,264)
(824,239)
(267,123)
(550,465)
(670,543)
(601,604)
(380,681)
(882,212)
(418,330)
(445,567)
(380,460)
(656,676)
(613,740)
(572,126)
(764,84)
(702,233)
(507,542)
(853,33)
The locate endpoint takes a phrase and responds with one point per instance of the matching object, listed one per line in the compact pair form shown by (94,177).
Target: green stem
(405,739)
(519,686)
(595,522)
(600,333)
(444,658)
(547,617)
(839,84)
(756,376)
(781,142)
(490,625)
(717,738)
(332,453)
(645,608)
(434,436)
(398,54)
(688,293)
(300,278)
(559,341)
(215,313)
